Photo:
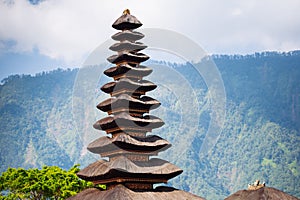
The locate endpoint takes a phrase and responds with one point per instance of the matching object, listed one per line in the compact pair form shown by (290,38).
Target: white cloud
(237,11)
(70,29)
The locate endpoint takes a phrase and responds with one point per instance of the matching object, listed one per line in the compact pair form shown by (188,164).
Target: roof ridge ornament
(126,11)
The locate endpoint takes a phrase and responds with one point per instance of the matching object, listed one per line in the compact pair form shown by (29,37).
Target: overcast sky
(62,33)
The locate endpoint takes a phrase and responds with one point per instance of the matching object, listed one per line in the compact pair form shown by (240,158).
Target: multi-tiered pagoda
(129,172)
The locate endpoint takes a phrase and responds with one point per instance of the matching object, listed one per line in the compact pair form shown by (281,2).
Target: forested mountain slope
(259,140)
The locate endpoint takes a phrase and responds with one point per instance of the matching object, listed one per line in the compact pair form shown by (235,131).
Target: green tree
(50,182)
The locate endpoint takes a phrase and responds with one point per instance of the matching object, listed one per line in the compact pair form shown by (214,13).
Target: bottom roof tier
(120,192)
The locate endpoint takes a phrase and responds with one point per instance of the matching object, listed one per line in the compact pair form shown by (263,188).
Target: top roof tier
(126,22)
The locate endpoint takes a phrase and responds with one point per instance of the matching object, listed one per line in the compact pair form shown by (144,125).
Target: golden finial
(127,11)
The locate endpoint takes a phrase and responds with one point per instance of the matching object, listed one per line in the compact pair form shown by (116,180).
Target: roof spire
(126,11)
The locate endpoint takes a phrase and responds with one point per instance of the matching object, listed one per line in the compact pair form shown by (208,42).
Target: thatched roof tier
(124,121)
(129,143)
(127,57)
(124,170)
(138,71)
(136,132)
(125,85)
(262,193)
(127,46)
(126,70)
(126,22)
(127,35)
(121,192)
(134,156)
(126,103)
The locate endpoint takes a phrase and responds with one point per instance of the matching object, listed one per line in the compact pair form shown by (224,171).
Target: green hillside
(47,120)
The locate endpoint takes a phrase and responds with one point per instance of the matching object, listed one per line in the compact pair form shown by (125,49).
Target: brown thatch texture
(125,101)
(129,143)
(127,84)
(127,45)
(128,57)
(127,35)
(126,22)
(140,71)
(120,192)
(124,120)
(123,167)
(265,193)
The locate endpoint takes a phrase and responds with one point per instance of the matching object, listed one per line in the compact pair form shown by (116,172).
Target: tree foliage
(50,182)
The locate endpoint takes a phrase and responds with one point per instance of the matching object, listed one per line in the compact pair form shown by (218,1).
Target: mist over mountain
(46,120)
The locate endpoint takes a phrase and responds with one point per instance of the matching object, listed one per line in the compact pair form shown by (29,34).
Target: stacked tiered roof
(128,149)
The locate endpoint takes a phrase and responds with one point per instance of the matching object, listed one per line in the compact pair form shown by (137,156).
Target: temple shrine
(129,172)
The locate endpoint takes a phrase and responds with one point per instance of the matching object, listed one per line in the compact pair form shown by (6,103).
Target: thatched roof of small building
(120,192)
(264,193)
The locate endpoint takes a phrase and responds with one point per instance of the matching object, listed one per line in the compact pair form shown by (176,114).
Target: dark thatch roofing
(126,84)
(120,192)
(129,70)
(122,170)
(124,121)
(129,143)
(124,102)
(127,35)
(262,193)
(128,57)
(127,45)
(126,22)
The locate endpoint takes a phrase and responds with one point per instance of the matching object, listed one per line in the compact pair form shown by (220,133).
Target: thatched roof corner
(120,192)
(262,193)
